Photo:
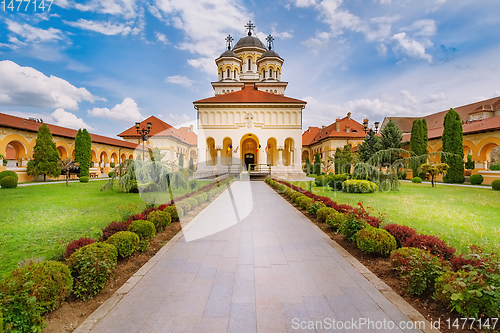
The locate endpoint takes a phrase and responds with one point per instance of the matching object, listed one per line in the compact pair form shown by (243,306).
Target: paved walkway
(269,272)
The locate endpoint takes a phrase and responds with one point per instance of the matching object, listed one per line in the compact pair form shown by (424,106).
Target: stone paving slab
(270,270)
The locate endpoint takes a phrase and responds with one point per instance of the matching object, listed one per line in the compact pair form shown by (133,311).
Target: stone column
(280,155)
(219,158)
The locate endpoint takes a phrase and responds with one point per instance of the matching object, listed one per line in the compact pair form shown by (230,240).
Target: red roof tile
(190,136)
(356,130)
(160,128)
(249,94)
(32,126)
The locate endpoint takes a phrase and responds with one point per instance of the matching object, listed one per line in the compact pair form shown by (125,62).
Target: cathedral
(249,124)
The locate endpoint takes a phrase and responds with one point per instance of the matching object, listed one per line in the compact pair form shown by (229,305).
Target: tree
(45,157)
(453,143)
(470,164)
(308,167)
(83,152)
(369,147)
(433,170)
(391,138)
(343,159)
(418,141)
(66,166)
(191,165)
(317,164)
(181,160)
(327,165)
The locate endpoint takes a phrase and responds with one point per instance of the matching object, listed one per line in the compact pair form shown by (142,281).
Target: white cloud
(424,28)
(106,28)
(304,3)
(382,50)
(68,119)
(206,64)
(125,8)
(32,34)
(437,97)
(177,120)
(205,24)
(180,80)
(161,37)
(154,11)
(411,47)
(126,111)
(281,35)
(25,86)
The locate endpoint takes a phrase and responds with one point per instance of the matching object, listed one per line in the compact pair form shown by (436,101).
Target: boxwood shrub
(375,240)
(416,180)
(304,201)
(335,181)
(323,212)
(476,179)
(126,243)
(335,219)
(172,211)
(351,225)
(320,181)
(314,206)
(9,173)
(495,185)
(143,228)
(91,266)
(8,182)
(359,186)
(83,179)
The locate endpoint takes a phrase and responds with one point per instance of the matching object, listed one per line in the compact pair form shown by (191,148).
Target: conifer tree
(391,138)
(83,151)
(369,147)
(453,143)
(418,141)
(307,167)
(343,159)
(317,164)
(191,165)
(181,160)
(45,156)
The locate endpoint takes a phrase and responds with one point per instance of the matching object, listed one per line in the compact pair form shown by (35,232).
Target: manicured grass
(40,220)
(460,215)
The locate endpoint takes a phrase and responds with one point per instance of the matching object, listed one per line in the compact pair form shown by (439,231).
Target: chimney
(190,128)
(337,123)
(309,129)
(348,115)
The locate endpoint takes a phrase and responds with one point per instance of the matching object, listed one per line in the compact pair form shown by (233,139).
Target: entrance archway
(272,152)
(15,152)
(289,154)
(249,152)
(227,151)
(62,152)
(490,154)
(211,153)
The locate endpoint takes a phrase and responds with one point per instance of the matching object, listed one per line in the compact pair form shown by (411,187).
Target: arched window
(235,73)
(264,74)
(222,74)
(276,73)
(228,73)
(270,72)
(249,64)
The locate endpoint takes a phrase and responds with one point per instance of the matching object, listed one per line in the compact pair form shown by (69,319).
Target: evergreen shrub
(335,219)
(76,244)
(400,232)
(433,244)
(476,179)
(416,180)
(143,228)
(84,179)
(375,240)
(160,219)
(335,181)
(9,173)
(304,202)
(126,243)
(91,266)
(8,182)
(351,225)
(323,212)
(359,186)
(495,185)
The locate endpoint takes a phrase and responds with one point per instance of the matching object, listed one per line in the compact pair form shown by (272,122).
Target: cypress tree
(191,165)
(369,147)
(83,153)
(418,141)
(453,143)
(181,160)
(317,164)
(45,156)
(391,138)
(307,167)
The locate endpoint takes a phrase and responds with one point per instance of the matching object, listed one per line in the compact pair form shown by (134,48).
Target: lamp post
(370,133)
(143,132)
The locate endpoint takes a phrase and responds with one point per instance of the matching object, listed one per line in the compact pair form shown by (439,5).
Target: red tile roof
(249,94)
(190,136)
(32,126)
(356,130)
(161,128)
(469,127)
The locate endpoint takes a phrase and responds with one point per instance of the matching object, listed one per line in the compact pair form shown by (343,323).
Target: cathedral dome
(249,41)
(270,53)
(228,53)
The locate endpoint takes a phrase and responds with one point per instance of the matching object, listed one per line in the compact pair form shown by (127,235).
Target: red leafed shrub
(114,227)
(136,217)
(162,207)
(373,221)
(146,211)
(400,232)
(433,244)
(474,259)
(76,244)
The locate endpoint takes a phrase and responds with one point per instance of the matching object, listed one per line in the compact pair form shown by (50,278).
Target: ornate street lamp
(143,132)
(370,133)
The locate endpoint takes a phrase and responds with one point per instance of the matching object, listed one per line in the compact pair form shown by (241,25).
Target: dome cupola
(228,63)
(270,63)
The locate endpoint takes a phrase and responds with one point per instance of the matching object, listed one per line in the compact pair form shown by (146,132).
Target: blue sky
(104,64)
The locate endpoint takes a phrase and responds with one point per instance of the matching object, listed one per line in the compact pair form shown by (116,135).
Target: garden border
(110,303)
(398,301)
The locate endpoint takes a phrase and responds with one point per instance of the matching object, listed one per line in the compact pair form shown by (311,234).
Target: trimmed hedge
(160,219)
(476,179)
(143,228)
(416,180)
(375,240)
(335,219)
(84,179)
(433,244)
(335,181)
(9,173)
(495,185)
(8,182)
(400,232)
(126,243)
(359,186)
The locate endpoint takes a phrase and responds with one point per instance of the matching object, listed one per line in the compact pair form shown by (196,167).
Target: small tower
(228,64)
(270,63)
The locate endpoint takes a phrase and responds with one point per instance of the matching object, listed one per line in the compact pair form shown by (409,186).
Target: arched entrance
(211,153)
(62,152)
(227,151)
(249,152)
(272,152)
(490,154)
(289,153)
(15,152)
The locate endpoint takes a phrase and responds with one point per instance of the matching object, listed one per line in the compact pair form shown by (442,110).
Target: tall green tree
(83,151)
(307,167)
(191,165)
(453,143)
(391,137)
(45,156)
(181,160)
(317,164)
(418,141)
(370,146)
(344,158)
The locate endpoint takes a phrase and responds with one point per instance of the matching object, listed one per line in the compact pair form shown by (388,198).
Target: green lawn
(40,220)
(460,215)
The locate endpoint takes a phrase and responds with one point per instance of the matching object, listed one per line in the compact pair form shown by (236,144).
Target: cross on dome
(229,40)
(250,27)
(270,40)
